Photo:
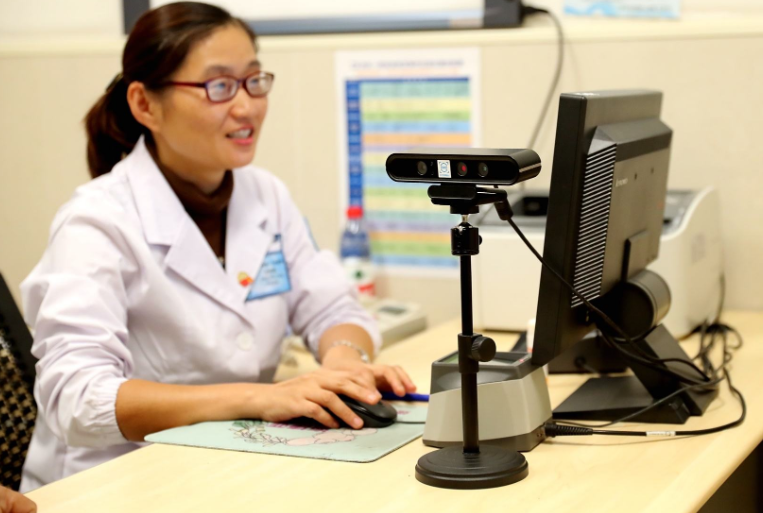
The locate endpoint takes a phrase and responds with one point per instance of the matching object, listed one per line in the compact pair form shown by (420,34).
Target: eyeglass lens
(225,88)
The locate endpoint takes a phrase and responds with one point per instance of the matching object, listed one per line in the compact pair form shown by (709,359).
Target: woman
(170,280)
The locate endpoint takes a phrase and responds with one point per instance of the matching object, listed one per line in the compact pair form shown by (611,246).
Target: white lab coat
(129,288)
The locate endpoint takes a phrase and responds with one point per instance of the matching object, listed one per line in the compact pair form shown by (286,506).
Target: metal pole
(467,327)
(468,366)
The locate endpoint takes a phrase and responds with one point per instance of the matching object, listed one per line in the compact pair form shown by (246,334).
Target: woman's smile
(243,136)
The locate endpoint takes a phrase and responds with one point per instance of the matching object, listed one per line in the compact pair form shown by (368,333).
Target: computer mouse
(378,415)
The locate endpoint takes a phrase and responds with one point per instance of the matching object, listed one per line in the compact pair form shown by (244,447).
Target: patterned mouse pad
(306,439)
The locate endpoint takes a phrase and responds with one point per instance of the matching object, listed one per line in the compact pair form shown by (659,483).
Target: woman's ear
(144,106)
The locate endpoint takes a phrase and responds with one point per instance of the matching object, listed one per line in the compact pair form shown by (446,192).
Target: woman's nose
(245,106)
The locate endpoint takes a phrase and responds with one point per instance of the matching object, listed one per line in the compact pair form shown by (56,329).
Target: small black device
(378,415)
(479,166)
(605,215)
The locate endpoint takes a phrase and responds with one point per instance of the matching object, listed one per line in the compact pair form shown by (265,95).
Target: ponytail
(157,46)
(112,131)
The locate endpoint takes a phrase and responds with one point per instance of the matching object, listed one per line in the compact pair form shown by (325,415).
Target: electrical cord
(652,406)
(722,300)
(529,11)
(711,331)
(558,429)
(706,331)
(504,211)
(647,359)
(726,360)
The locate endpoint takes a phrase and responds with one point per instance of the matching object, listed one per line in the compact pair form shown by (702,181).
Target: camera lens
(461,169)
(422,167)
(482,169)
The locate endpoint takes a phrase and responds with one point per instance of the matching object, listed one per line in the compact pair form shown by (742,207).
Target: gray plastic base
(521,443)
(513,404)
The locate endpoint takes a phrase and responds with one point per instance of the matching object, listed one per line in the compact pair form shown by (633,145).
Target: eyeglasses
(224,88)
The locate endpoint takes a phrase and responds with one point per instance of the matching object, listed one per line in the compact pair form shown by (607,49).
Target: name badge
(273,276)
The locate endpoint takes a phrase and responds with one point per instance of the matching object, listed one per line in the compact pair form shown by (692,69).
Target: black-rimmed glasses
(224,88)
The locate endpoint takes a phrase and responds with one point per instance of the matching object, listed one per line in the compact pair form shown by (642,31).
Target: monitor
(605,216)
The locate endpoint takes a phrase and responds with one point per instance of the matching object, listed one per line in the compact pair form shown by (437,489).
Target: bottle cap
(354,212)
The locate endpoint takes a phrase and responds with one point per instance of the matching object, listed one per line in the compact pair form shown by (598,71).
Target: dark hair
(156,48)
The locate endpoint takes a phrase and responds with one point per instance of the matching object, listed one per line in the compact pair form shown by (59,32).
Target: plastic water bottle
(355,252)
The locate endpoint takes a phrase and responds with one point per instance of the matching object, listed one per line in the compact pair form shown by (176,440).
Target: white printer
(507,275)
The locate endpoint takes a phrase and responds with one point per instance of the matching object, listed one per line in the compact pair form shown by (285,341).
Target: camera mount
(472,466)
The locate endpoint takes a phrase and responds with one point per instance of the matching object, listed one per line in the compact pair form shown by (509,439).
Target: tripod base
(452,468)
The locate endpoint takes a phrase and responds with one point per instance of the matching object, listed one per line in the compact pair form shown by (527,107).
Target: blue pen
(391,396)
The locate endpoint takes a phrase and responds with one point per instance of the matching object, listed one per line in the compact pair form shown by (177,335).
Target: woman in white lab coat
(170,280)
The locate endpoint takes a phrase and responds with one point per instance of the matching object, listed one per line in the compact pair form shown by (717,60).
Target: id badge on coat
(273,276)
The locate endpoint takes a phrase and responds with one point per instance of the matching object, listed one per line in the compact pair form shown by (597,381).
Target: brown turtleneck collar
(208,211)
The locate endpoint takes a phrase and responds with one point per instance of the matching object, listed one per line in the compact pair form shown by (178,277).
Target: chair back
(18,410)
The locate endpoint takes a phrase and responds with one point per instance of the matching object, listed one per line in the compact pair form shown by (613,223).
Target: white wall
(48,18)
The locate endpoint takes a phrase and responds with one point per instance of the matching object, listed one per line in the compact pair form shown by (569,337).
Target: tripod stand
(472,466)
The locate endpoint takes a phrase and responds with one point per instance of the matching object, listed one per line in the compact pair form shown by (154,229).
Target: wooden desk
(572,474)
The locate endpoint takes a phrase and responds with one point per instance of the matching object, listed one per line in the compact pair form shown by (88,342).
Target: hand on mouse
(311,395)
(336,355)
(379,376)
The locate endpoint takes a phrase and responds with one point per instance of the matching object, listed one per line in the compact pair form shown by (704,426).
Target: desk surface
(568,474)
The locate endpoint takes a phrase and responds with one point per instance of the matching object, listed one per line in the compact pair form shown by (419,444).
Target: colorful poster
(393,101)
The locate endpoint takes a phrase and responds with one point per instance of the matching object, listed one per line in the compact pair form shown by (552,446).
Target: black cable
(655,404)
(504,211)
(647,359)
(553,430)
(730,425)
(709,331)
(722,300)
(704,349)
(529,11)
(576,429)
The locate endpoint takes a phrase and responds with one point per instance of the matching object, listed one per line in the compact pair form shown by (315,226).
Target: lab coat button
(245,341)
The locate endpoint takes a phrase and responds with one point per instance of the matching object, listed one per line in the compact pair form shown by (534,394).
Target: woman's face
(195,135)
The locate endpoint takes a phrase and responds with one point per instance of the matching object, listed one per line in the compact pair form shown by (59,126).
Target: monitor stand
(612,398)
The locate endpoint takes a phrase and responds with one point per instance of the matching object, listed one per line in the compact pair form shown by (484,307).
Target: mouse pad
(300,439)
(410,414)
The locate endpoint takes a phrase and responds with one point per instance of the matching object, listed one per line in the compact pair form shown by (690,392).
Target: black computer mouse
(378,415)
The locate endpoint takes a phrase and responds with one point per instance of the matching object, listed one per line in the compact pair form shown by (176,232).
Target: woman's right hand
(311,395)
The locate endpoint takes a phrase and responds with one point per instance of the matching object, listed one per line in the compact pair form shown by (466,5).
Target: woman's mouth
(242,136)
